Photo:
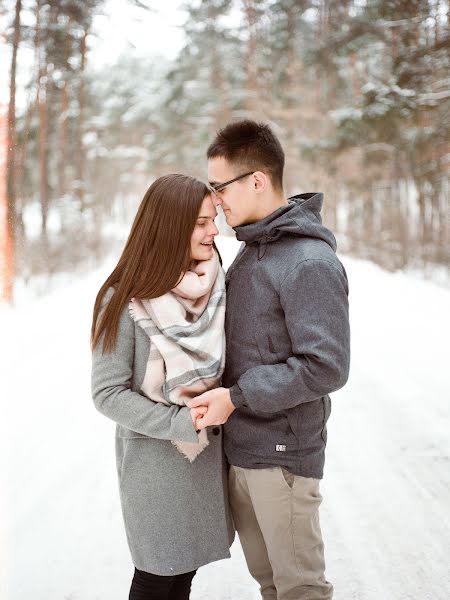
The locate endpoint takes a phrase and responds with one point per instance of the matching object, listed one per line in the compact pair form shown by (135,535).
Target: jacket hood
(300,217)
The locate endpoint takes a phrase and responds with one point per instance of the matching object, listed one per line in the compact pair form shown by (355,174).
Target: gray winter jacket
(288,339)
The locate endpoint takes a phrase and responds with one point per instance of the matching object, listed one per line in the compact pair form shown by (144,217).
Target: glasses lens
(211,189)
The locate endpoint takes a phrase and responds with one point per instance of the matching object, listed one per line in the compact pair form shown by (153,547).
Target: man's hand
(197,413)
(218,404)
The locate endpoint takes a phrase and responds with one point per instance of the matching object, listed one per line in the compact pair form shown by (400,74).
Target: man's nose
(216,200)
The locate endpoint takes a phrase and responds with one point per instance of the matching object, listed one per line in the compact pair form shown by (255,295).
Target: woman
(158,340)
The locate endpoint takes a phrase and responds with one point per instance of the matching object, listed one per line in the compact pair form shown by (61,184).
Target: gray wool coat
(176,513)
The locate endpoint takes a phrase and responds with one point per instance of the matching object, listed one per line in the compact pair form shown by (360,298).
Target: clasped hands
(211,408)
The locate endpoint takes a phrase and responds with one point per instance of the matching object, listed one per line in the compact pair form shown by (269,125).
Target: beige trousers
(276,515)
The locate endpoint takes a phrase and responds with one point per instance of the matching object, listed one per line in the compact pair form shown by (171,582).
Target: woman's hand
(218,404)
(198,413)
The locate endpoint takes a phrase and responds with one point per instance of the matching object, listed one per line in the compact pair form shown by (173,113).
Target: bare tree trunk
(292,104)
(42,148)
(63,140)
(9,241)
(41,99)
(251,65)
(79,164)
(222,115)
(6,237)
(22,152)
(355,79)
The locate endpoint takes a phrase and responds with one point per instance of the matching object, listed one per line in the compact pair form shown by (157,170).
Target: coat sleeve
(314,297)
(113,397)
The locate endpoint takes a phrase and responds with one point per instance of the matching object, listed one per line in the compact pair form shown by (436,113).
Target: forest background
(357,90)
(97,99)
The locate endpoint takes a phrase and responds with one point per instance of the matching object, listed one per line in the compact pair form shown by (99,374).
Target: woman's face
(204,231)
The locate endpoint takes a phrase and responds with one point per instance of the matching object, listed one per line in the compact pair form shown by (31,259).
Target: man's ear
(260,181)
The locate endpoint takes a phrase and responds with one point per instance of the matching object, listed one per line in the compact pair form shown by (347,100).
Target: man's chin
(229,219)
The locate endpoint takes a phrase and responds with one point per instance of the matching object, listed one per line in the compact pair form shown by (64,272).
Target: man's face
(238,199)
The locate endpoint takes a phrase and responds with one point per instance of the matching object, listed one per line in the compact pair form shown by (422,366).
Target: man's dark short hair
(250,146)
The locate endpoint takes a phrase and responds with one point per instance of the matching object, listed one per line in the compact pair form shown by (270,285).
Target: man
(287,333)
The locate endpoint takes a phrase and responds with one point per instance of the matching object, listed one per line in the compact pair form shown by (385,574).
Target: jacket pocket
(291,416)
(272,348)
(264,435)
(326,403)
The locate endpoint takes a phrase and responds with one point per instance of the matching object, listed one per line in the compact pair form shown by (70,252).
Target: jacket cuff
(185,430)
(236,396)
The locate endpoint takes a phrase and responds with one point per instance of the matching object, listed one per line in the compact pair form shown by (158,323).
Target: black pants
(146,586)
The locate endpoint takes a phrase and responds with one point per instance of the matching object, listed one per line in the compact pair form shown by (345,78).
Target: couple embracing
(219,385)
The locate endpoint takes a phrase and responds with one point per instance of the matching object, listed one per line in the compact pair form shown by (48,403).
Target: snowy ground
(385,514)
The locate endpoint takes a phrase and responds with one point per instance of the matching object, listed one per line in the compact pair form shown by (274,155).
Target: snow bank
(387,479)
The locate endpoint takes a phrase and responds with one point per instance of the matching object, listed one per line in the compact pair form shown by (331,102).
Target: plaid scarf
(187,340)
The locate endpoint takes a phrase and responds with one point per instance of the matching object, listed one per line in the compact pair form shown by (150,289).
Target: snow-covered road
(385,514)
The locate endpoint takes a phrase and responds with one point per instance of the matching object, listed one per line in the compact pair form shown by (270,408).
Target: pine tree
(8,204)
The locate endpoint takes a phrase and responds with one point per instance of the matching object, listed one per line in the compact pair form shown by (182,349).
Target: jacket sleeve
(114,398)
(314,297)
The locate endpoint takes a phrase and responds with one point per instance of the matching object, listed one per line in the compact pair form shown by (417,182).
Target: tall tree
(9,242)
(6,238)
(203,89)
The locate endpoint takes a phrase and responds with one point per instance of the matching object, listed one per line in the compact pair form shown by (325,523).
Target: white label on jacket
(280,448)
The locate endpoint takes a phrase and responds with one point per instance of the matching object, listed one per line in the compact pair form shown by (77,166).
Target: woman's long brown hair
(156,253)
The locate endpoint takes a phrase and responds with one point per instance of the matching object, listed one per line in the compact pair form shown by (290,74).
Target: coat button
(216,430)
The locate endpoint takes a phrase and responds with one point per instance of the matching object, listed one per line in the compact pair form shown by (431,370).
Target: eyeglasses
(218,188)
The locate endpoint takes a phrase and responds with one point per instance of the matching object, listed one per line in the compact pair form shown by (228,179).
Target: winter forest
(358,92)
(100,97)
